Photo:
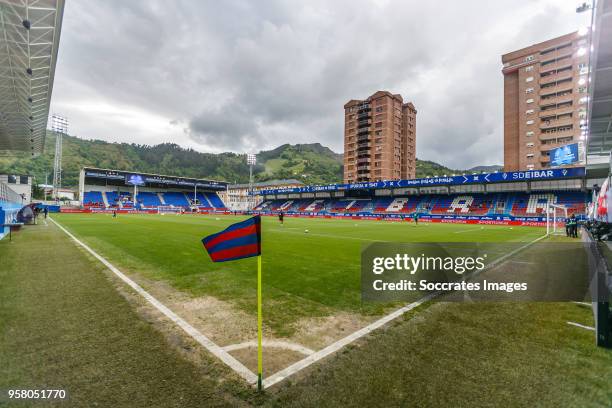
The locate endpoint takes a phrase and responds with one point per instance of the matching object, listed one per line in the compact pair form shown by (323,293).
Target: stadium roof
(600,98)
(29,40)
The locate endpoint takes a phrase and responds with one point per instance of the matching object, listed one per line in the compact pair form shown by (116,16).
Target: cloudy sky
(247,75)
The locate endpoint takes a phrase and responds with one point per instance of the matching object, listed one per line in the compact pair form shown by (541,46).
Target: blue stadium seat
(176,199)
(148,199)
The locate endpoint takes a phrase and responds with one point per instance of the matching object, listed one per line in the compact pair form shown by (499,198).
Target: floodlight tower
(251,161)
(59,126)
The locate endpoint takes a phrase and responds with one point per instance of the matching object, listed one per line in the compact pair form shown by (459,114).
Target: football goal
(168,209)
(555,219)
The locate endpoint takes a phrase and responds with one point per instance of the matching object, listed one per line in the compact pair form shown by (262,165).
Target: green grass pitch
(304,274)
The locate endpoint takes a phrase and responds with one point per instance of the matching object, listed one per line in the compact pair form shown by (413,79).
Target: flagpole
(259,328)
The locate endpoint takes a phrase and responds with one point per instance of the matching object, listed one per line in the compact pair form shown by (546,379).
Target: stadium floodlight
(251,161)
(59,125)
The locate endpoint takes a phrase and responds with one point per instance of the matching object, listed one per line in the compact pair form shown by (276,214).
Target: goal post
(555,219)
(168,209)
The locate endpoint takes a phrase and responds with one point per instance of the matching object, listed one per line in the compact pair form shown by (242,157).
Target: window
(530,156)
(529,79)
(529,90)
(582,89)
(530,122)
(529,111)
(530,167)
(530,144)
(530,100)
(529,68)
(528,58)
(530,133)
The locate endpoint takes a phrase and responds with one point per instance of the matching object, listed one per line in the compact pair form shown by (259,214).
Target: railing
(9,196)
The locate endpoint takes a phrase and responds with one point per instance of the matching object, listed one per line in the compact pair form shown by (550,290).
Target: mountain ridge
(311,163)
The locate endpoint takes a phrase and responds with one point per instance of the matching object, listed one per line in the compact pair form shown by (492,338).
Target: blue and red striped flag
(240,240)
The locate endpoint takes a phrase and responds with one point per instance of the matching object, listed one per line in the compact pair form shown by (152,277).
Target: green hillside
(165,158)
(310,163)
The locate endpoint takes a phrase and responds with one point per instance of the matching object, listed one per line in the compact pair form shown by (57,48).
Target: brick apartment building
(379,138)
(545,99)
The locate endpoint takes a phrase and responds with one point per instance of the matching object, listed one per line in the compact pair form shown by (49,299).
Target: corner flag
(241,240)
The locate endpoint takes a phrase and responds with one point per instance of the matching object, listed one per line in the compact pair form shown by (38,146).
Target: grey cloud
(243,74)
(229,128)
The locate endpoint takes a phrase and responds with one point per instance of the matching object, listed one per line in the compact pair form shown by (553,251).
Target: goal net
(168,209)
(555,219)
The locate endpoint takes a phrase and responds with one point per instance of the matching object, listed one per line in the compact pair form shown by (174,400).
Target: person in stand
(281,217)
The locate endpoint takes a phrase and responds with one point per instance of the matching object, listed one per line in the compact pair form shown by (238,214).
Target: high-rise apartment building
(545,99)
(379,138)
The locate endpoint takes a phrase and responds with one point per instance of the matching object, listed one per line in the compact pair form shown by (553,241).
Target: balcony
(557,100)
(563,61)
(556,135)
(554,123)
(560,76)
(549,146)
(364,124)
(556,111)
(363,146)
(363,130)
(362,116)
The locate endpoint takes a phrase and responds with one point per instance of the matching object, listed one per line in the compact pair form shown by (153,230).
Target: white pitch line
(216,350)
(285,345)
(332,348)
(315,234)
(582,326)
(463,231)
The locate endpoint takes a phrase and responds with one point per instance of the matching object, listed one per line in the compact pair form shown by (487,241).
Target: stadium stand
(176,199)
(10,204)
(148,199)
(215,201)
(93,199)
(509,204)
